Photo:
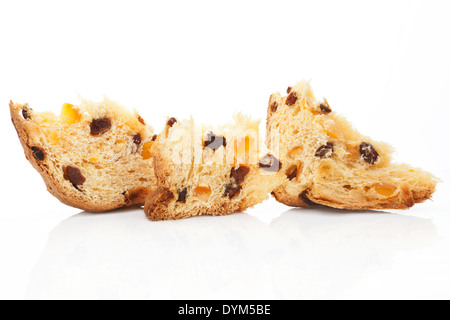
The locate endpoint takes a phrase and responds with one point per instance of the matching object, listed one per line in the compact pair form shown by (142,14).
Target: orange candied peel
(146,150)
(384,189)
(202,192)
(69,114)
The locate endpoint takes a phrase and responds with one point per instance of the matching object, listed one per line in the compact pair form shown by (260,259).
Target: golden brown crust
(158,203)
(55,182)
(156,206)
(283,197)
(405,200)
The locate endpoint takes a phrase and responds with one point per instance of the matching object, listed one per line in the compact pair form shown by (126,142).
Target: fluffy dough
(213,172)
(328,162)
(94,157)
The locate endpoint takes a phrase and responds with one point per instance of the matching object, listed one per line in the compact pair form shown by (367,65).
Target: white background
(383,64)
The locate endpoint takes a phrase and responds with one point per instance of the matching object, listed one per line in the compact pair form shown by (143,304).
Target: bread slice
(328,162)
(212,172)
(94,156)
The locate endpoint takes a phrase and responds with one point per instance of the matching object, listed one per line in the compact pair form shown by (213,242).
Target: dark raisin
(325,151)
(289,89)
(274,106)
(100,126)
(182,194)
(171,122)
(368,153)
(291,99)
(292,173)
(325,107)
(214,142)
(239,174)
(270,163)
(154,137)
(141,120)
(74,175)
(231,190)
(26,112)
(38,153)
(137,139)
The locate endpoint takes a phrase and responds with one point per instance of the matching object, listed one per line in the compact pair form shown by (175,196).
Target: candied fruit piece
(385,189)
(203,193)
(69,114)
(295,153)
(146,154)
(135,123)
(53,138)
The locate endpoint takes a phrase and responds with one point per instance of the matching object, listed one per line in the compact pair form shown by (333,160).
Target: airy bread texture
(328,162)
(210,172)
(94,156)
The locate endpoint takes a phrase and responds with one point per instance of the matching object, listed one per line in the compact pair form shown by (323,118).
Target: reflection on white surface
(301,254)
(330,251)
